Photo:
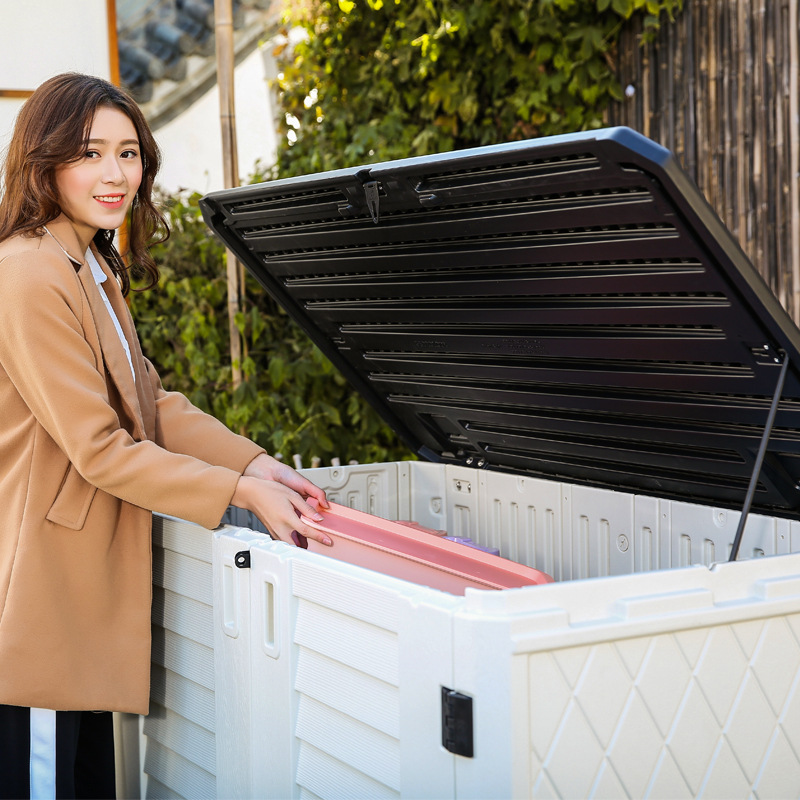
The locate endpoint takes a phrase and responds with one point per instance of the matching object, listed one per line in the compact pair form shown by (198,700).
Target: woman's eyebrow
(105,141)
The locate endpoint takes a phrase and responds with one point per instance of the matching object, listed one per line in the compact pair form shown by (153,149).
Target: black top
(567,307)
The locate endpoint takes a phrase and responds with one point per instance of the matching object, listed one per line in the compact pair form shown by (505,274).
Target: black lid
(567,307)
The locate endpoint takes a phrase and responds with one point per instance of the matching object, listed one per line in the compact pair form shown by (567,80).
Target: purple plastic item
(469,543)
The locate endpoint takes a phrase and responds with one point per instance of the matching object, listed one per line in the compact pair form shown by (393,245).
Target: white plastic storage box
(599,385)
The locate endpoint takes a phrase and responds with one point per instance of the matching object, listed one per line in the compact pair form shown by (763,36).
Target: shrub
(381,79)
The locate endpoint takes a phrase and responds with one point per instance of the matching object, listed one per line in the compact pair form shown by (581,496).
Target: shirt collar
(97,272)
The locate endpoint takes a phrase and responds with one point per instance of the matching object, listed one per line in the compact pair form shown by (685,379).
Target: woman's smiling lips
(112,201)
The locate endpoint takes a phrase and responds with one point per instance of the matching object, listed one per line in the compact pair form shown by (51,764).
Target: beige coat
(85,455)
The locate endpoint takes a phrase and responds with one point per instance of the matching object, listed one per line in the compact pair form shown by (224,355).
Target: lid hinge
(373,195)
(751,489)
(457,723)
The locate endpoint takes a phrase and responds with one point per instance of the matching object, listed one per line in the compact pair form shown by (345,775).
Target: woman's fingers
(279,508)
(319,494)
(294,480)
(295,532)
(307,532)
(267,468)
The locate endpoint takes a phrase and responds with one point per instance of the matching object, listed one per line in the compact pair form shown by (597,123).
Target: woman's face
(97,190)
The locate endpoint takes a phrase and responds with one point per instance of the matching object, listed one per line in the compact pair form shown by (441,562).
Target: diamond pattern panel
(775,648)
(550,694)
(602,692)
(790,717)
(750,727)
(636,747)
(780,769)
(667,781)
(720,671)
(694,737)
(707,712)
(725,777)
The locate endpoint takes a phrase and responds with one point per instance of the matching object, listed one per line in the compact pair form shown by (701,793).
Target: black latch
(373,195)
(429,200)
(242,559)
(457,723)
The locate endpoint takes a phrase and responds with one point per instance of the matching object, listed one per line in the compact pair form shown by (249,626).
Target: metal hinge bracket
(457,723)
(372,190)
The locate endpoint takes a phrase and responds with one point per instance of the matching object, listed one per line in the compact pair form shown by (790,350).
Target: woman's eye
(130,154)
(92,154)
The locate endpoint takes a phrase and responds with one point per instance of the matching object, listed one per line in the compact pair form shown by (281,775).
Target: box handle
(230,598)
(270,615)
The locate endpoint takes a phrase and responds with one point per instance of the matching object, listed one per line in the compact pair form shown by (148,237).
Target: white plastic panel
(171,775)
(361,661)
(522,518)
(232,644)
(679,715)
(270,665)
(173,691)
(599,540)
(422,494)
(462,502)
(328,676)
(673,685)
(372,488)
(649,539)
(179,733)
(704,535)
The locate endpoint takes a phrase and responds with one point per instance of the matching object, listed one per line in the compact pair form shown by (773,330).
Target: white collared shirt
(100,277)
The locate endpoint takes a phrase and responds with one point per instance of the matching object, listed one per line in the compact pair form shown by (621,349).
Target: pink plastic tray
(415,554)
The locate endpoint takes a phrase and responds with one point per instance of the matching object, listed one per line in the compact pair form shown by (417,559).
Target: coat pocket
(73,501)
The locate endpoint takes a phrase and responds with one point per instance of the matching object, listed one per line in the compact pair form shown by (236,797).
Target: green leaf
(623,7)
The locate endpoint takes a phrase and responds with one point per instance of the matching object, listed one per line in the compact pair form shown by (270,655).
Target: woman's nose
(112,172)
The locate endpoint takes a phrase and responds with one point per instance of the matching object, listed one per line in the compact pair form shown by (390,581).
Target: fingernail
(319,517)
(327,541)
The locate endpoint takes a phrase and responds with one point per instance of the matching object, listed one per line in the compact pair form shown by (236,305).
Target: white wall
(40,38)
(191,144)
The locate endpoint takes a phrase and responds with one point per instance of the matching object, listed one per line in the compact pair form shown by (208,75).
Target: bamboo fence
(720,89)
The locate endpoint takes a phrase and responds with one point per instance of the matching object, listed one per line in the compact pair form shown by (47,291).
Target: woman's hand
(278,495)
(269,469)
(278,507)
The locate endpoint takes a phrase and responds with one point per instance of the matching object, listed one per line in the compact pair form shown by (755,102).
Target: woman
(90,443)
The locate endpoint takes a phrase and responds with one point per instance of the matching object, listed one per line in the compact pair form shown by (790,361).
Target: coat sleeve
(46,355)
(183,428)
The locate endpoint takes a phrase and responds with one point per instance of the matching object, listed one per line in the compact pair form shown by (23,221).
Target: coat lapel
(146,404)
(133,396)
(116,361)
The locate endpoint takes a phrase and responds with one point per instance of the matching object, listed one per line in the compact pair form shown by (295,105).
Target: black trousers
(56,754)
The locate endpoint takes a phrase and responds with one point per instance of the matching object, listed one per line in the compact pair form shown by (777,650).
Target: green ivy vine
(374,80)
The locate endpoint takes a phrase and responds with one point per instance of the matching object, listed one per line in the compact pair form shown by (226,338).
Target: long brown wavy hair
(52,130)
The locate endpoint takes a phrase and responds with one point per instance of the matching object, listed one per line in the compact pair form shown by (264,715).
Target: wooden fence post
(223,27)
